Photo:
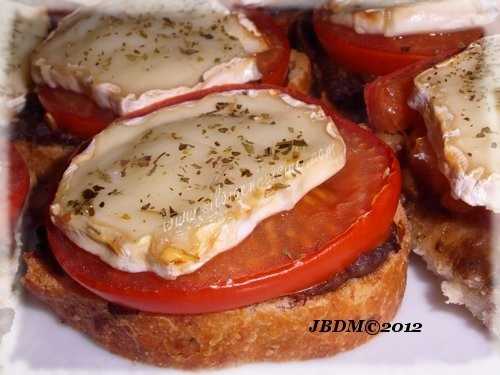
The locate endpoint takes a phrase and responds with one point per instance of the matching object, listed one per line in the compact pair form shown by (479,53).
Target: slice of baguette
(459,251)
(275,330)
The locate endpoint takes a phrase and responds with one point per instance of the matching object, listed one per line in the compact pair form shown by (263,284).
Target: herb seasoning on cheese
(130,54)
(459,100)
(168,191)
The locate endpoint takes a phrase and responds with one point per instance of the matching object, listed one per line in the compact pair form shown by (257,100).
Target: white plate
(449,335)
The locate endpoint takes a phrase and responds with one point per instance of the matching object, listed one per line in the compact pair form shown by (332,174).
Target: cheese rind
(338,6)
(168,191)
(404,18)
(128,56)
(459,100)
(276,4)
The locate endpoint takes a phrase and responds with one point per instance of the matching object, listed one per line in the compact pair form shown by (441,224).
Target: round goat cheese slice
(168,191)
(130,54)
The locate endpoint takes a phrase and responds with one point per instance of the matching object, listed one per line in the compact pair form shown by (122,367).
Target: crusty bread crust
(43,160)
(276,330)
(458,250)
(456,247)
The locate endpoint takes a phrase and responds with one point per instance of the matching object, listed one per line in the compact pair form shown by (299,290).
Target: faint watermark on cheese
(224,198)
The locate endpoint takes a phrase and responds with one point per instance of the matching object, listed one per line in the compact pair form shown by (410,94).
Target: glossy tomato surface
(387,97)
(73,112)
(378,55)
(273,63)
(424,166)
(18,183)
(325,232)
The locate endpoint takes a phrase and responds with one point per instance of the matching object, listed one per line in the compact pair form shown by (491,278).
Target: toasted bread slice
(459,251)
(458,248)
(275,330)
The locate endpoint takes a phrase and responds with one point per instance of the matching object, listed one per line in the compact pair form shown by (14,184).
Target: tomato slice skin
(243,275)
(379,55)
(386,97)
(283,18)
(74,113)
(273,63)
(424,166)
(18,184)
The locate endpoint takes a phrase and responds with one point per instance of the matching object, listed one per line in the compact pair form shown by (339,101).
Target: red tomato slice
(424,165)
(387,97)
(273,63)
(284,18)
(326,231)
(379,55)
(18,184)
(74,113)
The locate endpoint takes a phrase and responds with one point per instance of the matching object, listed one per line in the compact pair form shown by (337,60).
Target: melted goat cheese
(338,6)
(168,191)
(404,18)
(460,101)
(128,55)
